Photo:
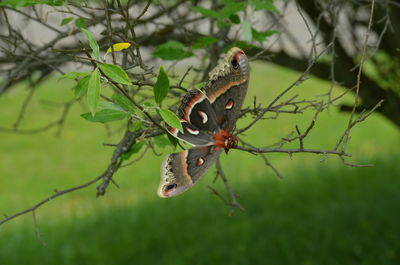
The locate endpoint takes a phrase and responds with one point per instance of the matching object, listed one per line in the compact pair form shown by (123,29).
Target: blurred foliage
(385,70)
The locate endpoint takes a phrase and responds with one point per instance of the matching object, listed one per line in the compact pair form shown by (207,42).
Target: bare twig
(356,99)
(291,151)
(233,201)
(299,80)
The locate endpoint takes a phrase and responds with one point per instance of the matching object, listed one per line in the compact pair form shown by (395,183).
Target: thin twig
(234,203)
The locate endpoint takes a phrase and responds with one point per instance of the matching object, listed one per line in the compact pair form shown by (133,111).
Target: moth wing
(191,134)
(227,87)
(228,105)
(197,118)
(180,171)
(196,109)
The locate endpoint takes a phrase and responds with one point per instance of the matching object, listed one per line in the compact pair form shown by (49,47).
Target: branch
(299,80)
(291,151)
(124,145)
(233,201)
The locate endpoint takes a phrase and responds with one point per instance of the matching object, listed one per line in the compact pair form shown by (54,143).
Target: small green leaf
(109,105)
(172,50)
(80,23)
(105,115)
(246,30)
(264,5)
(230,8)
(148,104)
(23,3)
(92,43)
(123,102)
(243,45)
(150,107)
(66,21)
(81,87)
(116,73)
(161,86)
(133,150)
(135,125)
(161,141)
(203,42)
(170,118)
(172,140)
(200,85)
(74,75)
(93,93)
(205,12)
(262,35)
(235,19)
(223,24)
(240,44)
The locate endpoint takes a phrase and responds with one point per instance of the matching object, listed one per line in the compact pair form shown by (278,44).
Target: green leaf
(223,24)
(172,50)
(148,104)
(93,93)
(264,5)
(81,87)
(172,140)
(203,42)
(205,12)
(80,23)
(243,45)
(246,30)
(235,19)
(161,86)
(74,75)
(135,148)
(200,85)
(116,73)
(135,125)
(262,35)
(170,118)
(123,102)
(109,105)
(92,43)
(230,8)
(105,115)
(161,141)
(66,21)
(22,3)
(240,44)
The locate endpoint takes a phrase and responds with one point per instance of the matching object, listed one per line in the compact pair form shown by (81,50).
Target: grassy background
(319,213)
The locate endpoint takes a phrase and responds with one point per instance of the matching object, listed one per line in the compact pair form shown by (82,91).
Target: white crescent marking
(200,162)
(203,115)
(188,111)
(229,104)
(192,131)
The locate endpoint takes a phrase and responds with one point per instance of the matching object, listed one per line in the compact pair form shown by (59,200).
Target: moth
(208,119)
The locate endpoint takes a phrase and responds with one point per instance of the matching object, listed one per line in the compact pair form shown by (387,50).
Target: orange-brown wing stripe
(190,105)
(225,88)
(184,167)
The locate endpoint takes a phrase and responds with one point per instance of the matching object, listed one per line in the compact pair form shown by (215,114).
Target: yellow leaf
(119,47)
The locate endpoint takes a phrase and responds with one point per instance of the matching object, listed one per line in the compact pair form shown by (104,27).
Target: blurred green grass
(319,213)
